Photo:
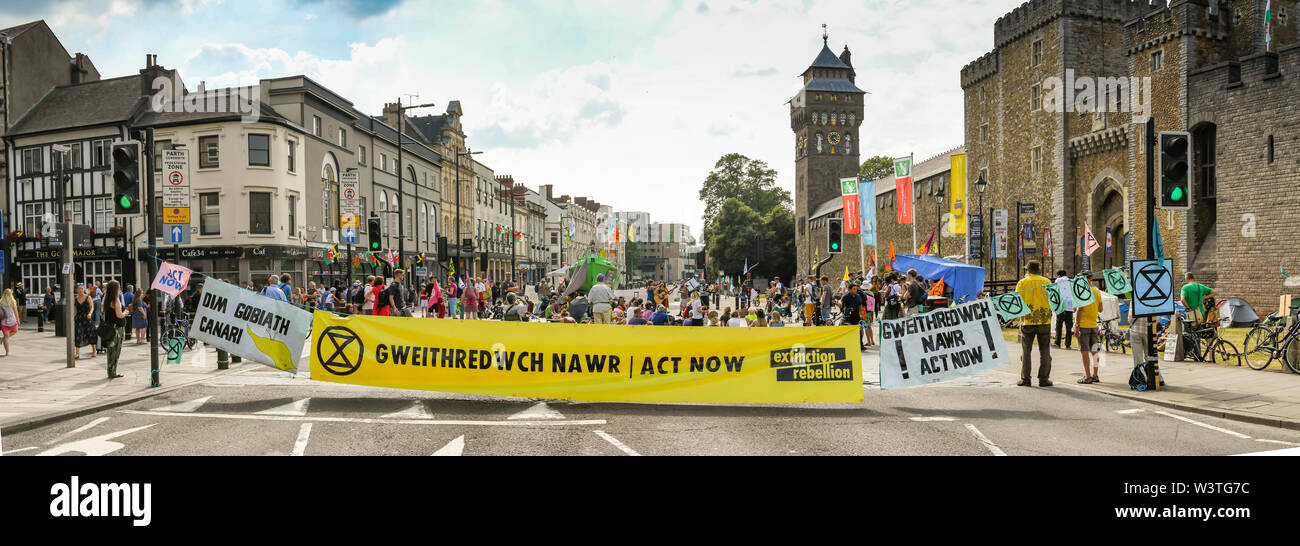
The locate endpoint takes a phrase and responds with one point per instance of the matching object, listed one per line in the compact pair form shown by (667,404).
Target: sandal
(1085,381)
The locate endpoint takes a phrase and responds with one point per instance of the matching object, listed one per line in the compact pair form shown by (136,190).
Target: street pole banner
(941,345)
(171,279)
(249,325)
(1000,228)
(903,189)
(852,216)
(957,209)
(867,204)
(590,362)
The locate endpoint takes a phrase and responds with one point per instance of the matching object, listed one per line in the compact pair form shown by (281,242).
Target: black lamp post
(938,230)
(981,185)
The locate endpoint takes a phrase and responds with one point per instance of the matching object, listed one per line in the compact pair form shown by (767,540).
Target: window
(361,156)
(209,152)
(259,213)
(1281,16)
(102,271)
(1157,60)
(293,161)
(1204,140)
(1270,150)
(1036,98)
(209,214)
(1036,58)
(259,150)
(100,150)
(31,161)
(293,215)
(158,147)
(984,133)
(315,125)
(74,212)
(37,277)
(104,219)
(76,155)
(1036,160)
(32,219)
(410,224)
(383,162)
(343,138)
(1236,17)
(555,238)
(383,207)
(983,95)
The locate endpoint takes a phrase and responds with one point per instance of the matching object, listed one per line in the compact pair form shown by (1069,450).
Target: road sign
(177,234)
(1027,208)
(176,179)
(176,215)
(349,235)
(350,200)
(1153,288)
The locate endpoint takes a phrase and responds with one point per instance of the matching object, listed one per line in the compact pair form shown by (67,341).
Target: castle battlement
(979,69)
(1034,14)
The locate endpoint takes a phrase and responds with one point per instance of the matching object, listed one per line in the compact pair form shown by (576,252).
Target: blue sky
(630,103)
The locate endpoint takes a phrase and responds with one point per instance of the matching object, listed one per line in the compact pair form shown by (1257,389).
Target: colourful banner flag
(849,196)
(1047,242)
(867,205)
(937,289)
(1110,242)
(171,279)
(903,189)
(1090,243)
(957,201)
(925,249)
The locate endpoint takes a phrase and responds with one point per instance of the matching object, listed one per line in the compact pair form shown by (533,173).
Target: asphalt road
(266,412)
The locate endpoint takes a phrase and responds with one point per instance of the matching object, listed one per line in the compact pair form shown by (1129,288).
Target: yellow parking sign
(176,215)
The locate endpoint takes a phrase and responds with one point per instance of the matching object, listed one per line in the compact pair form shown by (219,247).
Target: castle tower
(825,116)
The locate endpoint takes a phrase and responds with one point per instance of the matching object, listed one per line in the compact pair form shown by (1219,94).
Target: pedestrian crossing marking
(296,408)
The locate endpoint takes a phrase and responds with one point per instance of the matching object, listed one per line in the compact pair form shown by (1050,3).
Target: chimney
(151,72)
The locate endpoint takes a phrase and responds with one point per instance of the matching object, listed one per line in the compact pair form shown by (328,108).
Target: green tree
(877,168)
(731,241)
(747,180)
(779,258)
(632,253)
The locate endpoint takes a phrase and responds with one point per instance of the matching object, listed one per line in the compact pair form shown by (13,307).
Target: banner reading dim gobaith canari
(590,362)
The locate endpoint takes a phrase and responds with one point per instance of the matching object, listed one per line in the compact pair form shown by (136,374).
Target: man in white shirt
(368,303)
(273,290)
(601,298)
(1064,320)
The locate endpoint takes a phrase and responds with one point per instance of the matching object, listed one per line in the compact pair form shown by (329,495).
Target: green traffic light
(1177,194)
(835,246)
(125,201)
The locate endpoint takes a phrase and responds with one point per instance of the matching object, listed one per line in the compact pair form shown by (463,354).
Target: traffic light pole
(151,264)
(1151,216)
(69,301)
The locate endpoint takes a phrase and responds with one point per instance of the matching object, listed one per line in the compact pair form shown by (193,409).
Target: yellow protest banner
(590,362)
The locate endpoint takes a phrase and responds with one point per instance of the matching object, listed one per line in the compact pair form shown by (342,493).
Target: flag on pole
(892,257)
(1021,236)
(937,290)
(903,189)
(1110,242)
(1268,24)
(1159,242)
(451,267)
(925,249)
(331,254)
(846,273)
(1090,243)
(746,266)
(1047,242)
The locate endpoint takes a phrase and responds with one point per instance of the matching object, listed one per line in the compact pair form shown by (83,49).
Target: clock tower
(825,116)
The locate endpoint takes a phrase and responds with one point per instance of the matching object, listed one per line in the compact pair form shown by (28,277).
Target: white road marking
(416,411)
(1204,425)
(300,446)
(453,448)
(297,407)
(94,447)
(1289,452)
(80,429)
(20,450)
(1129,411)
(257,417)
(616,443)
(185,407)
(538,412)
(1277,442)
(933,419)
(984,440)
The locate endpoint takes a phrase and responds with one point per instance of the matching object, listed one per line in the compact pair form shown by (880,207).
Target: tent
(1236,313)
(966,280)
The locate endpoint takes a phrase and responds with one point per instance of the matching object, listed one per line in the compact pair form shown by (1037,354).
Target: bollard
(223,360)
(236,359)
(40,320)
(1156,374)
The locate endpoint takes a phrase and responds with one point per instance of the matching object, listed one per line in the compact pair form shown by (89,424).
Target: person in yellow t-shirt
(1036,327)
(1085,329)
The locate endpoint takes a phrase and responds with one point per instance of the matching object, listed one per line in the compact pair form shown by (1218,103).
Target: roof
(828,59)
(836,204)
(150,118)
(832,85)
(429,126)
(83,105)
(19,29)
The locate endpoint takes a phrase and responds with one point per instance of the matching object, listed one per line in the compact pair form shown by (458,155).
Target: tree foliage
(632,254)
(877,168)
(747,180)
(731,241)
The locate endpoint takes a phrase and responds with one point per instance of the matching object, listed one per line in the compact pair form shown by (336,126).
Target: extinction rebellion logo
(340,350)
(805,364)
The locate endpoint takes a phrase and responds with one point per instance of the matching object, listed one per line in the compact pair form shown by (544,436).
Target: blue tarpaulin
(966,280)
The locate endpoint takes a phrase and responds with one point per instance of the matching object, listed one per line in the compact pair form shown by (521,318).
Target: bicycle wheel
(1113,344)
(1259,348)
(1223,351)
(1290,362)
(1192,347)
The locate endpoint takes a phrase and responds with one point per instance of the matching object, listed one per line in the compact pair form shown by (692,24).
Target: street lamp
(982,185)
(938,236)
(401,186)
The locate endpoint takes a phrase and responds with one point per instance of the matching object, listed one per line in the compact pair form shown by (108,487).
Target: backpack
(1138,379)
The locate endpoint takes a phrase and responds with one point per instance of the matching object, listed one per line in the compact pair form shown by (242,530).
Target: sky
(630,103)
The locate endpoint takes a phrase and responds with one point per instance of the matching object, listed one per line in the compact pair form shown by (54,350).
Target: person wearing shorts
(1085,329)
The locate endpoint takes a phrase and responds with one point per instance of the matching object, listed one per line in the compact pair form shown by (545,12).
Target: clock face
(835,138)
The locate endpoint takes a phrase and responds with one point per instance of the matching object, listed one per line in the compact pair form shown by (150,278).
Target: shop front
(239,264)
(40,268)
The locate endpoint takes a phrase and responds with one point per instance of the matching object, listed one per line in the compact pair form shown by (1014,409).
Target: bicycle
(1113,338)
(1273,346)
(179,327)
(1216,349)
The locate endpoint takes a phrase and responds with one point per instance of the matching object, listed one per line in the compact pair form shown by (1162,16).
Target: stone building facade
(1055,116)
(825,116)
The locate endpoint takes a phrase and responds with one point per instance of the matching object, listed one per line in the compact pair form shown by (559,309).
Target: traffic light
(126,178)
(1175,172)
(375,229)
(442,248)
(835,235)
